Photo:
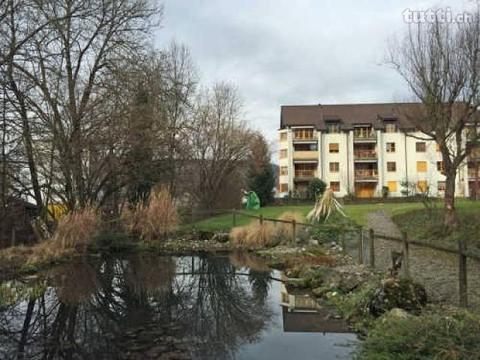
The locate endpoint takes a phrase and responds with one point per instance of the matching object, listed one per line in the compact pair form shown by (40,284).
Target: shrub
(77,229)
(154,220)
(324,207)
(440,334)
(316,188)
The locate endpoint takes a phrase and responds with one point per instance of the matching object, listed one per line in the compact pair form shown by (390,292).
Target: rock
(397,293)
(221,237)
(397,313)
(320,291)
(297,283)
(205,235)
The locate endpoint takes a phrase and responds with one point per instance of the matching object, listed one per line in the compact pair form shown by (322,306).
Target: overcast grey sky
(282,52)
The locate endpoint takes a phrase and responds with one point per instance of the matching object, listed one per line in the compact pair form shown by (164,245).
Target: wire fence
(440,269)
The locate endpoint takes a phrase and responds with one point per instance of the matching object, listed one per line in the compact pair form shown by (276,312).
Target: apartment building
(361,148)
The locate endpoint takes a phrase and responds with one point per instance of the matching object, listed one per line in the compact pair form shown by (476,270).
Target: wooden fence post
(462,274)
(234,217)
(262,232)
(294,231)
(343,242)
(14,237)
(372,248)
(406,254)
(360,247)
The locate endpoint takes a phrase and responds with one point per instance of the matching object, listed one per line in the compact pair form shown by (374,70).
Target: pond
(163,307)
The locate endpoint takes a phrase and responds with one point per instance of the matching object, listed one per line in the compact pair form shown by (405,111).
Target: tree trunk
(450,219)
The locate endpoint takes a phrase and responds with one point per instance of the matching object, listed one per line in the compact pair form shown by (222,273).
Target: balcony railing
(304,135)
(472,174)
(303,173)
(364,135)
(365,155)
(366,174)
(305,155)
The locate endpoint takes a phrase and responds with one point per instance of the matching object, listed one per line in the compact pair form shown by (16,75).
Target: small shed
(16,222)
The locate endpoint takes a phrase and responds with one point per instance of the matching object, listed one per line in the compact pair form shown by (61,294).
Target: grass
(356,212)
(428,226)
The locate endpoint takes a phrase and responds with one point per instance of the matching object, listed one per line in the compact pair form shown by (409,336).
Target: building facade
(362,150)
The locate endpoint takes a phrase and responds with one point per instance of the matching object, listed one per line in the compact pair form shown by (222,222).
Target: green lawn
(358,213)
(428,226)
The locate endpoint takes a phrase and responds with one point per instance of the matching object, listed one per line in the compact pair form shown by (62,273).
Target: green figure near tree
(253,201)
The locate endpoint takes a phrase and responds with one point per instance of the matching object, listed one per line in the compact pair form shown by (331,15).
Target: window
(390,147)
(421,146)
(392,186)
(333,148)
(437,147)
(441,186)
(391,166)
(390,127)
(334,167)
(333,128)
(283,187)
(421,166)
(335,186)
(283,153)
(303,134)
(422,186)
(440,167)
(283,170)
(283,136)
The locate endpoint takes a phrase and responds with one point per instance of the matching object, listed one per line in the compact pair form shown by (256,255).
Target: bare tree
(440,63)
(57,76)
(220,143)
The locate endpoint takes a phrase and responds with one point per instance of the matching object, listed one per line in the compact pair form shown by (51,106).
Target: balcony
(364,135)
(472,174)
(361,155)
(366,175)
(304,174)
(305,155)
(305,135)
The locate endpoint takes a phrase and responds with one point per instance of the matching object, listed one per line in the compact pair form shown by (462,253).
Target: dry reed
(256,235)
(154,220)
(77,229)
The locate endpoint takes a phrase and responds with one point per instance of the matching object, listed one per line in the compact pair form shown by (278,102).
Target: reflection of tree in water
(90,306)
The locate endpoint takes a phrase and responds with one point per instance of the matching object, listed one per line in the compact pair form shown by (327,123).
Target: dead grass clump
(254,235)
(154,220)
(77,229)
(285,231)
(268,234)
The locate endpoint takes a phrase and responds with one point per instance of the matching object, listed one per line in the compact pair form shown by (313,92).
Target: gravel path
(437,270)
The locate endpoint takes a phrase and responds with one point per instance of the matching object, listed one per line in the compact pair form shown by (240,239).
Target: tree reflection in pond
(139,307)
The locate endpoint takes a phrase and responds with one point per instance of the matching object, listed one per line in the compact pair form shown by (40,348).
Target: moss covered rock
(399,293)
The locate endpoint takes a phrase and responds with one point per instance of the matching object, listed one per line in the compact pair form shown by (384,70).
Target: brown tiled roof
(348,115)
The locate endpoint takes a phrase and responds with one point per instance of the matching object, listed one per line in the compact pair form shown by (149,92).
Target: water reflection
(144,307)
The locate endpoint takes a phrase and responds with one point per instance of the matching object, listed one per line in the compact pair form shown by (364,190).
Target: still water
(145,307)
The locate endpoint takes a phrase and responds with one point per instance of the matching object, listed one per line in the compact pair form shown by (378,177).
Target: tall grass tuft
(256,235)
(77,229)
(153,220)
